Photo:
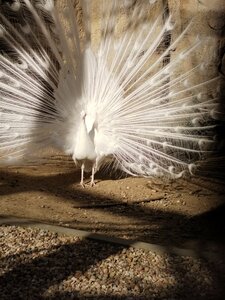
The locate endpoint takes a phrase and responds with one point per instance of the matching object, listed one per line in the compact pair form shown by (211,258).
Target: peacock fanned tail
(99,79)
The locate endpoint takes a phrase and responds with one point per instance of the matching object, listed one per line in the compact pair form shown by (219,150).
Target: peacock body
(114,89)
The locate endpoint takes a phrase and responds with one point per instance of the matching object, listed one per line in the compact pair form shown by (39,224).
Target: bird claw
(82,185)
(92,184)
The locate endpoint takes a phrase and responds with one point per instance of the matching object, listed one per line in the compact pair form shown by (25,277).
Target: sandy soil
(177,212)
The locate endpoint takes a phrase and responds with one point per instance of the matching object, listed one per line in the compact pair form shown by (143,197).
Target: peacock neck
(84,148)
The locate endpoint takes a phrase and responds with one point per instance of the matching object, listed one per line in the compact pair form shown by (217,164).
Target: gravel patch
(37,264)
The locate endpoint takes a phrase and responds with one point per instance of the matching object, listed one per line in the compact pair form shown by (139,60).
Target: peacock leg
(93,176)
(82,176)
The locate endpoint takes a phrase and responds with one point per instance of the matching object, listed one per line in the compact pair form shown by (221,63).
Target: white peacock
(103,82)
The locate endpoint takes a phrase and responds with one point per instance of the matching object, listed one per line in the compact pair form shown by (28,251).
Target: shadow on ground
(28,278)
(162,227)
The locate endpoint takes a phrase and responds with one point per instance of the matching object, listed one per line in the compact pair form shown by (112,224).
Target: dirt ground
(179,212)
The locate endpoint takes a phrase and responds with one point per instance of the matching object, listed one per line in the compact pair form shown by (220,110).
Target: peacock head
(89,119)
(83,114)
